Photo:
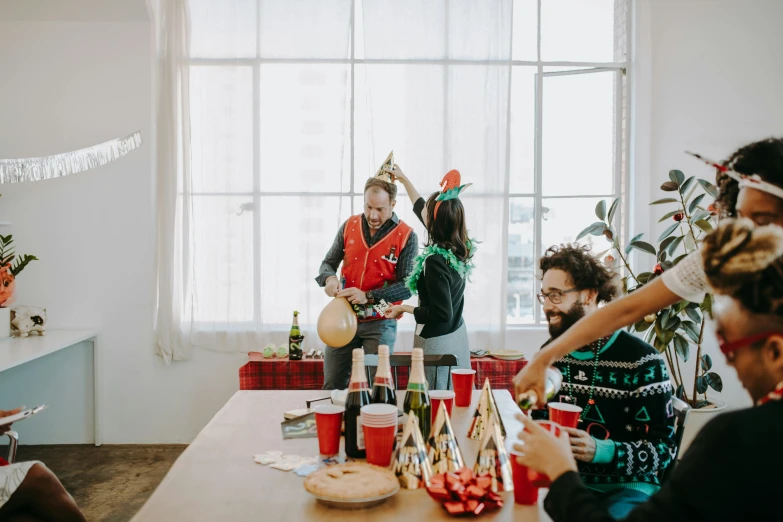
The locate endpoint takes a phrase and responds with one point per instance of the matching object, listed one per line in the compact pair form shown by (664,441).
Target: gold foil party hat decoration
(493,459)
(384,172)
(493,408)
(410,463)
(487,407)
(444,452)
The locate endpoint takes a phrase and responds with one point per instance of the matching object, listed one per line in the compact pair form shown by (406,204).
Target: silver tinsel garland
(58,165)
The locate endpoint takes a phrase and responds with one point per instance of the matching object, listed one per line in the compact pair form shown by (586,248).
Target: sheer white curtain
(272,114)
(435,88)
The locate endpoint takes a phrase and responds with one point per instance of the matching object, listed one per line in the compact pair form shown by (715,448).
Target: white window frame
(621,164)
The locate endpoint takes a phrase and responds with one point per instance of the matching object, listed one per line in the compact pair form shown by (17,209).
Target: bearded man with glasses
(623,442)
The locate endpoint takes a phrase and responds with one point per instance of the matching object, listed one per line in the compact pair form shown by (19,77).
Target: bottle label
(383,381)
(417,386)
(359,433)
(358,386)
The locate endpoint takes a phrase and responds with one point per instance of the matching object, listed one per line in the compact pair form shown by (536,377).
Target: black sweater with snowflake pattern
(631,420)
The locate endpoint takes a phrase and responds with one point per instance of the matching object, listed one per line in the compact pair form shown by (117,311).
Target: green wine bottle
(554,379)
(417,400)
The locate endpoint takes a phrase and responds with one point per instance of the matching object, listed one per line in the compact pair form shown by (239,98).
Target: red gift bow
(461,492)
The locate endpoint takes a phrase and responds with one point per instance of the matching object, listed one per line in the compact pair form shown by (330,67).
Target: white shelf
(20,350)
(5,223)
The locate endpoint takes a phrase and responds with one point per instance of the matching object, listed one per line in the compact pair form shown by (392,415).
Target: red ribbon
(462,492)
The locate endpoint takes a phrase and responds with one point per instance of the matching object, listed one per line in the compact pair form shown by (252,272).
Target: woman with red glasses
(751,186)
(732,469)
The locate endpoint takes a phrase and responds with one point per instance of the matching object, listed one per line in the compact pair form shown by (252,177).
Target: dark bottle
(383,385)
(358,396)
(295,340)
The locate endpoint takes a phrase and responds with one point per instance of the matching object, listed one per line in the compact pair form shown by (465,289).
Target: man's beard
(567,319)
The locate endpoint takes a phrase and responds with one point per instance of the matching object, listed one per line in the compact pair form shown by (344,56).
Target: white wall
(712,84)
(63,86)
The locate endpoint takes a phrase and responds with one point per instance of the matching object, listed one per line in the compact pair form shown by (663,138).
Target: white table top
(216,478)
(20,350)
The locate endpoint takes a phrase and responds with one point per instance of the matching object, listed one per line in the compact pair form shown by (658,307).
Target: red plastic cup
(525,492)
(463,386)
(379,444)
(328,424)
(444,396)
(564,414)
(540,480)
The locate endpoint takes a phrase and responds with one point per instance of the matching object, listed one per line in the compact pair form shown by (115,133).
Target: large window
(295,103)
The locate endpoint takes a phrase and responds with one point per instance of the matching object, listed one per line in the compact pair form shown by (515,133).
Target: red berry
(657,270)
(679,217)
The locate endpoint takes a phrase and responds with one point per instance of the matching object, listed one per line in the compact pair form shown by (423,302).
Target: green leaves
(22,263)
(669,215)
(644,247)
(664,200)
(612,210)
(670,186)
(600,210)
(704,225)
(669,230)
(677,176)
(685,186)
(706,362)
(700,215)
(693,315)
(596,229)
(6,249)
(695,203)
(714,381)
(709,188)
(690,328)
(682,347)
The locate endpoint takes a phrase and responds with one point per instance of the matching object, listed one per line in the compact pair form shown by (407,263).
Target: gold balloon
(337,323)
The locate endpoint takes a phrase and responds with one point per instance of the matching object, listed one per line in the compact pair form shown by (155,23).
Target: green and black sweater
(632,419)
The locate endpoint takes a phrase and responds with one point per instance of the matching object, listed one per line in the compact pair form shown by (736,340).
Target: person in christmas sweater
(731,471)
(623,442)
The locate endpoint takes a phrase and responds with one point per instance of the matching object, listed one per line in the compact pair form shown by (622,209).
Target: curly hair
(746,262)
(764,158)
(584,270)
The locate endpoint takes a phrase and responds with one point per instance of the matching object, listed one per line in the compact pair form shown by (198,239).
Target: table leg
(96,416)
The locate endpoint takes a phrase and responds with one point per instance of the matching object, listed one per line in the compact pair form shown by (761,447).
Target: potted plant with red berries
(678,330)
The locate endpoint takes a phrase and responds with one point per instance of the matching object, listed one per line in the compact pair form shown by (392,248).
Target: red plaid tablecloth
(282,374)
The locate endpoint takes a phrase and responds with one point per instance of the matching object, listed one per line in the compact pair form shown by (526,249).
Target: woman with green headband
(439,274)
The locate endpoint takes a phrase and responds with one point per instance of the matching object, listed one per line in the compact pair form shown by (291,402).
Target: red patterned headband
(752,181)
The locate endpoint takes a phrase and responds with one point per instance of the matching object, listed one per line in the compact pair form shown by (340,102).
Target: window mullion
(257,311)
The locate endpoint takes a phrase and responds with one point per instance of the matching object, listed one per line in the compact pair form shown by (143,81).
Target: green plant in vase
(10,267)
(678,330)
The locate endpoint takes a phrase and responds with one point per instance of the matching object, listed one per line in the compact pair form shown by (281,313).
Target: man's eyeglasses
(729,349)
(555,296)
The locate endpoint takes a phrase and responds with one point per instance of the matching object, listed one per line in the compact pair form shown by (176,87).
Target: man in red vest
(377,250)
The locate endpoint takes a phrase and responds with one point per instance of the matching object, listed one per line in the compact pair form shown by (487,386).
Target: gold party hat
(410,463)
(444,452)
(493,459)
(384,172)
(487,407)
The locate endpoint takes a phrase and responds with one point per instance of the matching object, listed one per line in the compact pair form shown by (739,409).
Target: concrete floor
(109,483)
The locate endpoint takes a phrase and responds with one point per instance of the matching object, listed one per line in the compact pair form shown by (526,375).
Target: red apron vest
(371,267)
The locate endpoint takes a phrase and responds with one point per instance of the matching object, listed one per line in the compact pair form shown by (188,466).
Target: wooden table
(216,478)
